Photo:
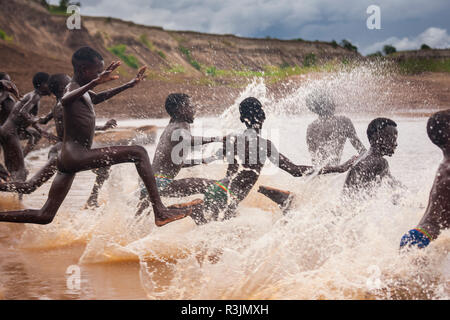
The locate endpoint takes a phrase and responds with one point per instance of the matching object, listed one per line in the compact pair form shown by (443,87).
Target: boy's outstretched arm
(195,162)
(353,137)
(285,164)
(295,170)
(339,168)
(108,94)
(105,76)
(46,119)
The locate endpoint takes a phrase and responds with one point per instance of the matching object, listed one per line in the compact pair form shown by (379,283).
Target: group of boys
(245,153)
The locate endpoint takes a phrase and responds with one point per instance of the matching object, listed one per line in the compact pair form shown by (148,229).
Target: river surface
(322,250)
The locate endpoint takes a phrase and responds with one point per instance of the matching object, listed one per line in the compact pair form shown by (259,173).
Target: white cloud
(434,37)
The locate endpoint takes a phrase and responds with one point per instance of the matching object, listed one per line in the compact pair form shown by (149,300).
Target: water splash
(322,249)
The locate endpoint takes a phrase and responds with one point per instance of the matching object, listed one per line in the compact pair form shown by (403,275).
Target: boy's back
(326,139)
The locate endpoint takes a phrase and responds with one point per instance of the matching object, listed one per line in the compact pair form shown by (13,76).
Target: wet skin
(163,164)
(372,167)
(50,168)
(77,155)
(326,138)
(437,214)
(8,91)
(19,119)
(242,172)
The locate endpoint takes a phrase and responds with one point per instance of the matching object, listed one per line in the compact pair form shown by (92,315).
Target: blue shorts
(416,237)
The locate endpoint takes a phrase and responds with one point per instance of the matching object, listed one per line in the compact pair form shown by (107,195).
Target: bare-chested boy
(177,134)
(372,168)
(76,153)
(57,84)
(8,91)
(437,214)
(326,136)
(246,155)
(364,173)
(17,123)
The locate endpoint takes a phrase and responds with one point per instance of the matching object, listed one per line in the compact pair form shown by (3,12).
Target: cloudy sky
(406,24)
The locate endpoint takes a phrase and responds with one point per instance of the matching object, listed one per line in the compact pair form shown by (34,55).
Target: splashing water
(323,249)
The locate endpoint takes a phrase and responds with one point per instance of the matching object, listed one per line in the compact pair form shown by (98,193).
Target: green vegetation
(415,65)
(334,44)
(177,69)
(309,60)
(149,44)
(119,51)
(272,73)
(211,71)
(188,55)
(348,45)
(143,38)
(60,9)
(4,36)
(162,54)
(375,54)
(425,47)
(388,49)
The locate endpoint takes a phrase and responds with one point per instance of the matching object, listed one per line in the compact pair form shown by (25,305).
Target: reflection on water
(323,249)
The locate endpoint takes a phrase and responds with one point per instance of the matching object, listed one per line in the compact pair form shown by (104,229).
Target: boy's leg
(280,197)
(187,187)
(88,159)
(27,187)
(178,188)
(33,138)
(58,192)
(14,159)
(102,174)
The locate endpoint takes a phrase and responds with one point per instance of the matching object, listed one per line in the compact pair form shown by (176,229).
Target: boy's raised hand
(110,124)
(106,75)
(139,77)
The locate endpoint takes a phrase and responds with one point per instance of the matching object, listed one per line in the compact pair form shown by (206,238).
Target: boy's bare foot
(175,212)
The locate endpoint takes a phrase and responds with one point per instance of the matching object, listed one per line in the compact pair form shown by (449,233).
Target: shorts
(416,237)
(218,195)
(162,182)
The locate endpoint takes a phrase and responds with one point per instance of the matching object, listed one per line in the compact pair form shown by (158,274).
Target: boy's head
(40,83)
(5,76)
(87,64)
(321,103)
(252,113)
(382,134)
(179,107)
(438,129)
(57,83)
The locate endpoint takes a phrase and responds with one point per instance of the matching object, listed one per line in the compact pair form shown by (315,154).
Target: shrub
(162,54)
(389,49)
(119,51)
(309,60)
(4,36)
(348,45)
(211,71)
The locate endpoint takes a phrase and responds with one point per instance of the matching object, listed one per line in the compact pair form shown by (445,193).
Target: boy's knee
(139,153)
(46,219)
